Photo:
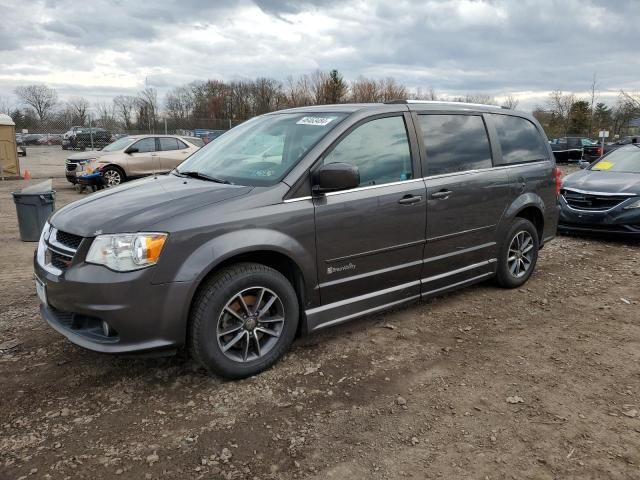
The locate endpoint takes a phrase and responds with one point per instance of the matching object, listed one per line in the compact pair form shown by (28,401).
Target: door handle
(410,199)
(441,194)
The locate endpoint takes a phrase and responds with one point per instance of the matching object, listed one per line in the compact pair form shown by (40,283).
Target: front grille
(69,240)
(60,261)
(61,247)
(591,201)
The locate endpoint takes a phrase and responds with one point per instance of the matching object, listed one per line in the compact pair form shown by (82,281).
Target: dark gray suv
(298,220)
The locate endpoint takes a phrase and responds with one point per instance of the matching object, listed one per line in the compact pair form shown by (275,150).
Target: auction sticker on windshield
(604,165)
(318,121)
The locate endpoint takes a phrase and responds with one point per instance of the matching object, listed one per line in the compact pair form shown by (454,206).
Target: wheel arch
(270,257)
(529,206)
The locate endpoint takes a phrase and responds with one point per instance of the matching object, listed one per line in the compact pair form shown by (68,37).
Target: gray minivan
(298,220)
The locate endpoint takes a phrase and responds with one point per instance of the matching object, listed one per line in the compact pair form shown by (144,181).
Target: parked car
(22,150)
(630,140)
(129,157)
(605,196)
(573,149)
(50,139)
(32,138)
(235,252)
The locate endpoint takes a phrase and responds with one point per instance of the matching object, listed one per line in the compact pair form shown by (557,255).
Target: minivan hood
(86,155)
(605,182)
(137,205)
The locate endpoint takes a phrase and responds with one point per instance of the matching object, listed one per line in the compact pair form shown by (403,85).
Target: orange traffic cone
(27,174)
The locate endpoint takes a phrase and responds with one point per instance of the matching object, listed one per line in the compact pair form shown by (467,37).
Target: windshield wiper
(202,176)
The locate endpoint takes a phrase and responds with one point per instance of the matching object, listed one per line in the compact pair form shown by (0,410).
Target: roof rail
(440,102)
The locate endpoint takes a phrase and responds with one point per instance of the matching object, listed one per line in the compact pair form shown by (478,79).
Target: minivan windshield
(119,144)
(261,151)
(625,159)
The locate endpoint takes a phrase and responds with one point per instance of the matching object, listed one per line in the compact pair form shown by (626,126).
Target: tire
(217,308)
(113,176)
(518,254)
(64,147)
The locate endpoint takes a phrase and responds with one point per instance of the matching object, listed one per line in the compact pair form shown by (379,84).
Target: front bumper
(94,179)
(616,221)
(142,317)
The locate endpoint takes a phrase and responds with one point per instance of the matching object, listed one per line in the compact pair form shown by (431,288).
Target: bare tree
(179,103)
(124,105)
(147,105)
(40,97)
(5,106)
(78,107)
(560,106)
(390,89)
(364,90)
(510,102)
(421,94)
(594,94)
(298,92)
(106,115)
(630,98)
(267,95)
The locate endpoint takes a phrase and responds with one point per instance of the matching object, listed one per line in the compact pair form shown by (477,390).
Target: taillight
(599,151)
(558,176)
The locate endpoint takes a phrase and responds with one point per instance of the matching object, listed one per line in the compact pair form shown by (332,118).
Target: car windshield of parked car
(261,151)
(119,144)
(626,159)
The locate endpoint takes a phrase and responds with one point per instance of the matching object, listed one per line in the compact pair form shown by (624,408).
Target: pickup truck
(81,138)
(574,149)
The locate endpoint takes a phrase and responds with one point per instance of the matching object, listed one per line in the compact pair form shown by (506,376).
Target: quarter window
(519,139)
(380,150)
(145,145)
(455,143)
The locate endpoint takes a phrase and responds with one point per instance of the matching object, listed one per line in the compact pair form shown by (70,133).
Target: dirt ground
(542,382)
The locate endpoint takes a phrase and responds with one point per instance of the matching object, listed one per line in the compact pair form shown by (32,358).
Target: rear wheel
(112,176)
(519,254)
(243,320)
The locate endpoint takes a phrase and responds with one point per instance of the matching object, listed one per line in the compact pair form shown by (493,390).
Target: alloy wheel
(520,255)
(250,324)
(112,178)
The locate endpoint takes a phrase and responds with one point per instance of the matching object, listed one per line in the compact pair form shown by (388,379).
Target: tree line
(218,104)
(209,104)
(566,114)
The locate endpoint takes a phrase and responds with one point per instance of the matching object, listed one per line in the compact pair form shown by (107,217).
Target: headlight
(635,204)
(127,251)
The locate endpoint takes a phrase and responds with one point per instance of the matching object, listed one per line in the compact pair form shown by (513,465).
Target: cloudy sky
(100,48)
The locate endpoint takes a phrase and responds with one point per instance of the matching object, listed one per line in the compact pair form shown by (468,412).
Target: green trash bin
(33,210)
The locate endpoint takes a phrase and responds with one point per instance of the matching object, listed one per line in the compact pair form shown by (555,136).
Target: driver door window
(380,150)
(145,160)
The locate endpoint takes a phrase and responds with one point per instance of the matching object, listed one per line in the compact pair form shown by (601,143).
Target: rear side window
(455,143)
(519,139)
(168,143)
(380,150)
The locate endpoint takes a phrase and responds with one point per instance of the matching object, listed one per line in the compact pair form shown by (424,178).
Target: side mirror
(333,177)
(131,150)
(583,164)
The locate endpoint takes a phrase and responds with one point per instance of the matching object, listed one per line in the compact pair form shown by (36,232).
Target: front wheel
(518,255)
(112,176)
(243,320)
